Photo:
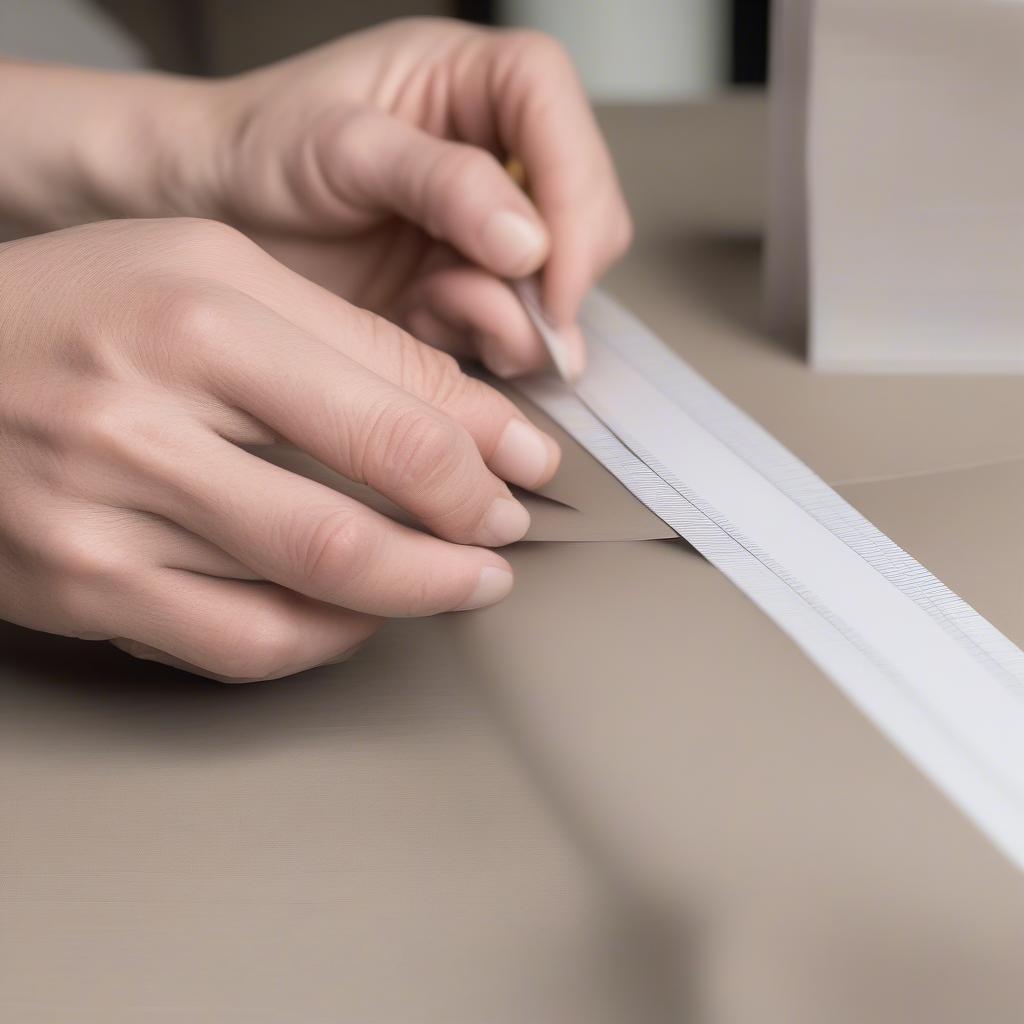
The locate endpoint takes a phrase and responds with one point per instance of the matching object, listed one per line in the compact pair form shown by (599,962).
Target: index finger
(544,119)
(361,425)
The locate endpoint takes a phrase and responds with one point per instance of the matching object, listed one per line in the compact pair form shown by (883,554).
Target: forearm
(81,145)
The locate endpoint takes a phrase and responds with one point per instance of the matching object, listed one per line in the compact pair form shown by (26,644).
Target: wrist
(83,145)
(155,156)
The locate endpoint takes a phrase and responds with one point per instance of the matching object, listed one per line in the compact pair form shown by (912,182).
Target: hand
(136,358)
(371,165)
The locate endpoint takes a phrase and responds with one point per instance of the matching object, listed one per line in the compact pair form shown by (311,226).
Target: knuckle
(339,546)
(462,169)
(85,556)
(107,423)
(420,449)
(359,130)
(128,430)
(190,233)
(110,425)
(263,647)
(458,174)
(81,571)
(382,337)
(352,139)
(533,46)
(433,375)
(476,401)
(191,314)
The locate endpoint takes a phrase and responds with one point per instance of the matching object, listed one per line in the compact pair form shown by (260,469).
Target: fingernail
(498,361)
(561,355)
(506,521)
(514,244)
(492,586)
(524,455)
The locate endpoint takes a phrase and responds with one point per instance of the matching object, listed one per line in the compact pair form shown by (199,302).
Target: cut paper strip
(943,684)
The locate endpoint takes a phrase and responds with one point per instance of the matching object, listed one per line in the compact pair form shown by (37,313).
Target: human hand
(370,165)
(136,358)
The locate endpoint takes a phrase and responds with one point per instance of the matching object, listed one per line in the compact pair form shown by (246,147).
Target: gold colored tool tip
(516,171)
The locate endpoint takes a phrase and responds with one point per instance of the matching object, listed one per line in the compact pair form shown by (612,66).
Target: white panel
(635,49)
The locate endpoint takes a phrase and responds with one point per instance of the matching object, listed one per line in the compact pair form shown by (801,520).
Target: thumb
(457,193)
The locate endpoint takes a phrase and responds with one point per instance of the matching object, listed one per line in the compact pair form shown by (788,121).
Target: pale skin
(370,215)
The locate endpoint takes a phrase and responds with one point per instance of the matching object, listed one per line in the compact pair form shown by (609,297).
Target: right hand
(136,357)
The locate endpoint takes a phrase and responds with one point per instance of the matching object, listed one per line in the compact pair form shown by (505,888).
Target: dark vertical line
(749,41)
(484,12)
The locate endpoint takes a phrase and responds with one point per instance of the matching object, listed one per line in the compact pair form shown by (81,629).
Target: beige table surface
(622,795)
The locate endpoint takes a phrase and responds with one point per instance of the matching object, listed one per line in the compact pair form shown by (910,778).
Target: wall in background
(635,49)
(627,49)
(222,37)
(68,31)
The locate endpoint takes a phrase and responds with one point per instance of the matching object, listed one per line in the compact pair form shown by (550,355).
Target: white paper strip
(936,677)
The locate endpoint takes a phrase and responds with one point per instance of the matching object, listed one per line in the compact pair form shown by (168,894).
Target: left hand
(373,166)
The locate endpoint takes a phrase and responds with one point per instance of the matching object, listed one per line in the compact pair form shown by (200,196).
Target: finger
(142,652)
(371,430)
(166,545)
(237,630)
(455,192)
(183,550)
(545,120)
(511,446)
(317,542)
(425,325)
(356,422)
(478,305)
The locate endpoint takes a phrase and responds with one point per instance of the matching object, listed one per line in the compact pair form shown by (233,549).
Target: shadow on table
(73,695)
(722,274)
(92,694)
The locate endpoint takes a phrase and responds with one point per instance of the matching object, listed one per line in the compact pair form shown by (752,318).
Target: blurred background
(626,50)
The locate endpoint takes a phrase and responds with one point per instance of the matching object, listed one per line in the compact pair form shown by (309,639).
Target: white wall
(635,49)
